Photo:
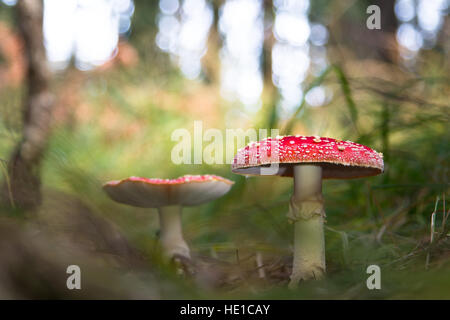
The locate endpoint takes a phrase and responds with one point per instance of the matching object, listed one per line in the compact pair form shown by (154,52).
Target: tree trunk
(211,61)
(24,165)
(270,93)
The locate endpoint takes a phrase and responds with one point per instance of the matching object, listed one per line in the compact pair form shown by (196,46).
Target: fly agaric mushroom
(169,196)
(308,160)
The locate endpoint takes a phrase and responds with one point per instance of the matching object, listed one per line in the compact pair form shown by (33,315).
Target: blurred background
(91,91)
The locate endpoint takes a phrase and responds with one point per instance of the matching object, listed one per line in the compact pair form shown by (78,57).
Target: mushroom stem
(306,211)
(172,241)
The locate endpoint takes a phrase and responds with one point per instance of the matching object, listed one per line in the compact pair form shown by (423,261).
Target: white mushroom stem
(307,213)
(171,236)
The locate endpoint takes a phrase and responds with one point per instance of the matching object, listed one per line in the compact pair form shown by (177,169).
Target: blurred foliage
(118,122)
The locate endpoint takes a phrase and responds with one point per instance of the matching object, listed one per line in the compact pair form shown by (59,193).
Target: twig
(344,240)
(433,220)
(8,182)
(260,265)
(444,214)
(213,252)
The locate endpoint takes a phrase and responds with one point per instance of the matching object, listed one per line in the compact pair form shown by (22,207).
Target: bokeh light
(86,29)
(405,10)
(290,54)
(420,23)
(299,48)
(241,24)
(183,32)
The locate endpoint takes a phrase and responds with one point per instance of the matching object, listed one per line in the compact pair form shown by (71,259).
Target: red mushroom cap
(338,159)
(155,193)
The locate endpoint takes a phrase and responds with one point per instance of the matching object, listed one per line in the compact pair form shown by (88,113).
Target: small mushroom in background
(169,197)
(308,159)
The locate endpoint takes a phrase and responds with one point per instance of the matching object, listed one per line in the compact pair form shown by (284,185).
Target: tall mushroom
(308,159)
(169,196)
